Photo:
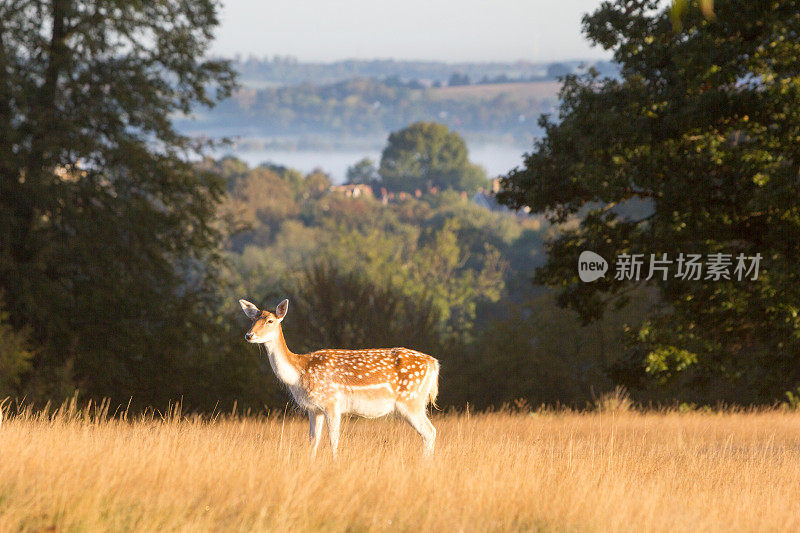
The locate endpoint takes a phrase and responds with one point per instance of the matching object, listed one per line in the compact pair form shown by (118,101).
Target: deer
(330,383)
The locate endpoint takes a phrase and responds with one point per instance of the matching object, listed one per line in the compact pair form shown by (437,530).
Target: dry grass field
(558,471)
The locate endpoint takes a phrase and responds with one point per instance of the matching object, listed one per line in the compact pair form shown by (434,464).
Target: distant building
(353,190)
(484,198)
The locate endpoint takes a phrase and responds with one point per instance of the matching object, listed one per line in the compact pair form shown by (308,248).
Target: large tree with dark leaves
(428,154)
(107,241)
(703,127)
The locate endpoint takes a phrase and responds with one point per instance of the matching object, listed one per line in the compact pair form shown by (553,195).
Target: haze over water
(496,159)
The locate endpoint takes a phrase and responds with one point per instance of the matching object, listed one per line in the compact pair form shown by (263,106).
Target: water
(496,159)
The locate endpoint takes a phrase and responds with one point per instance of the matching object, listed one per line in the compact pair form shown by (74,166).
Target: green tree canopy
(15,355)
(427,154)
(704,127)
(107,240)
(334,308)
(363,171)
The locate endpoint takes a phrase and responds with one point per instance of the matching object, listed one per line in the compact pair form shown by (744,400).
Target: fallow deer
(330,383)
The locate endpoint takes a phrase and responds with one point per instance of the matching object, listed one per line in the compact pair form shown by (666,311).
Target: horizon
(242,57)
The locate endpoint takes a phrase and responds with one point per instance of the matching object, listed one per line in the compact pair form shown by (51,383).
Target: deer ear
(249,309)
(280,311)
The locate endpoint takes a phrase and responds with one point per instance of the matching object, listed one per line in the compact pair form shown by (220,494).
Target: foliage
(15,356)
(287,70)
(545,352)
(449,254)
(792,402)
(430,264)
(357,270)
(109,236)
(367,108)
(364,171)
(425,155)
(331,307)
(703,126)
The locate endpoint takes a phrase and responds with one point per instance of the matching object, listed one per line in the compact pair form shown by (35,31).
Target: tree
(108,248)
(428,154)
(557,70)
(429,263)
(316,184)
(261,200)
(15,355)
(551,355)
(363,171)
(335,308)
(703,127)
(458,79)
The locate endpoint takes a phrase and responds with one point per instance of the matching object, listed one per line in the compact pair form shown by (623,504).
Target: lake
(496,159)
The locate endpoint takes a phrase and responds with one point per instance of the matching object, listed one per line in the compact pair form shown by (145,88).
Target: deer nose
(248,336)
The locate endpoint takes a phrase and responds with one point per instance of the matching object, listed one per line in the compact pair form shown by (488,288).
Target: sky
(441,30)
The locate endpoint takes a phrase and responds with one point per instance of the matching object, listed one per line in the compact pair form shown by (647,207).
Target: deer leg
(315,420)
(333,418)
(431,429)
(418,420)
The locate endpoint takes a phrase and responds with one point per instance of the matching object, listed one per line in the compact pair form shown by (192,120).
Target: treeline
(368,107)
(287,70)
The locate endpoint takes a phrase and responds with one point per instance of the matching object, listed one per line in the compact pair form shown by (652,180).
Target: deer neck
(284,363)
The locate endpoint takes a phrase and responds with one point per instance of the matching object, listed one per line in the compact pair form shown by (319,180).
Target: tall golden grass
(81,470)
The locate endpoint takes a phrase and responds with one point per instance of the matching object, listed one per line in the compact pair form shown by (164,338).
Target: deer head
(266,326)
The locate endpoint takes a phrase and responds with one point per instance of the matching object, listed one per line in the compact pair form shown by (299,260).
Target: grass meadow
(82,470)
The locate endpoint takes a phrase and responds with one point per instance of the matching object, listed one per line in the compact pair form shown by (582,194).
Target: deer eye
(270,321)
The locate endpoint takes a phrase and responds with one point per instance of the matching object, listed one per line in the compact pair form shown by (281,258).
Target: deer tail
(432,376)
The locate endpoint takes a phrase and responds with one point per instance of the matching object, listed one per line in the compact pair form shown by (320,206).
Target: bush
(15,356)
(332,308)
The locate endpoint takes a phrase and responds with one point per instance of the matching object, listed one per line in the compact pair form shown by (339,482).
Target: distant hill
(280,71)
(285,103)
(364,108)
